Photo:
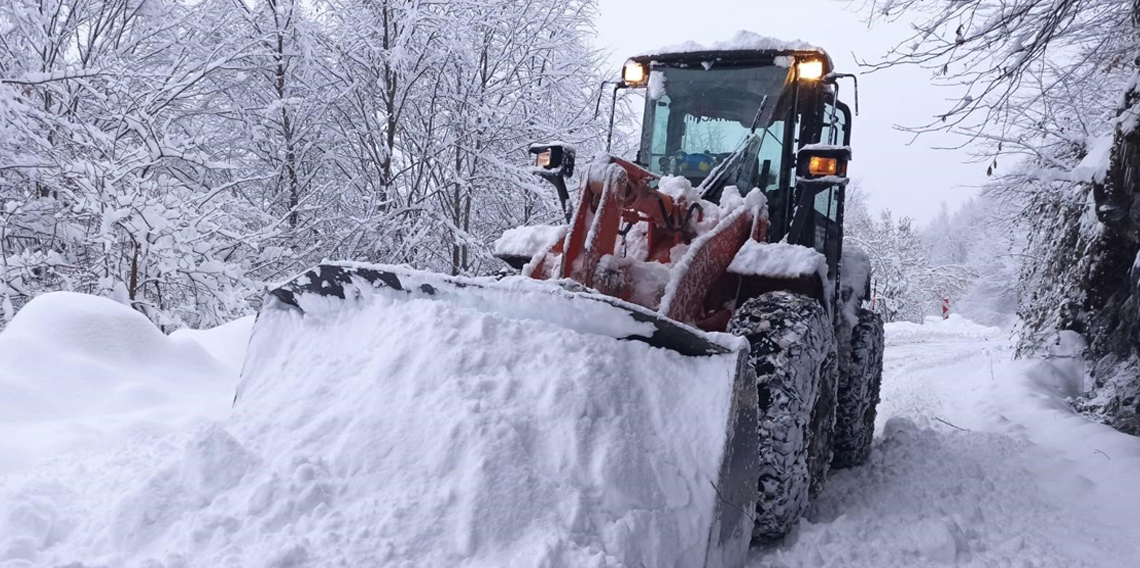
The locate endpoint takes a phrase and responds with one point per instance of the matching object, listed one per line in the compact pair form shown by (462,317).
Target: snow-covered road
(979,463)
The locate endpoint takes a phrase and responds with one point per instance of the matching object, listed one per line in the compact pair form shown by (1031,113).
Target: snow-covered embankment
(399,432)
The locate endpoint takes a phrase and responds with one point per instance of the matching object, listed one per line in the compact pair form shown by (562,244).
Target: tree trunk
(281,84)
(391,90)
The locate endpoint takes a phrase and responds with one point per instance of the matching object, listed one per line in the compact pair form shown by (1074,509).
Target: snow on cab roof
(742,41)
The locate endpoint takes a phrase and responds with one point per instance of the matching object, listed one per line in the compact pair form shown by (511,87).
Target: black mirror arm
(854,78)
(613,113)
(563,194)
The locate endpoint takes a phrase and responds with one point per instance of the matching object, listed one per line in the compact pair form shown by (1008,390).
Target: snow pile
(778,260)
(681,189)
(403,432)
(742,41)
(464,438)
(79,371)
(934,328)
(226,342)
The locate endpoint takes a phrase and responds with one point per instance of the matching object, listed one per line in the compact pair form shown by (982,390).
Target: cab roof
(742,49)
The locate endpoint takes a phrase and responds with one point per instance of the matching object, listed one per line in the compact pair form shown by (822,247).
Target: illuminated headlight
(542,160)
(553,157)
(634,74)
(811,69)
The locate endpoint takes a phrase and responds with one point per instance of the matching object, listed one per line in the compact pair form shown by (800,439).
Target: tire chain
(793,354)
(859,383)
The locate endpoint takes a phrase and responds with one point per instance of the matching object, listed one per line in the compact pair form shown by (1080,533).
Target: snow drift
(227,342)
(388,431)
(80,371)
(935,328)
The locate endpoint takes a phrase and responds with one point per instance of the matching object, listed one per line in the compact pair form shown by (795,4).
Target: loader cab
(754,120)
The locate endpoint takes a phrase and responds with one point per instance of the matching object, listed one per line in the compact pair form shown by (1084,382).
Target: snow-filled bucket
(503,423)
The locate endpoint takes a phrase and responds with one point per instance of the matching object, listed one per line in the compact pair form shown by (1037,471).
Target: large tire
(793,354)
(860,376)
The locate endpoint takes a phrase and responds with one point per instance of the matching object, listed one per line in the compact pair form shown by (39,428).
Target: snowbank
(934,328)
(464,438)
(226,343)
(397,432)
(1032,402)
(79,372)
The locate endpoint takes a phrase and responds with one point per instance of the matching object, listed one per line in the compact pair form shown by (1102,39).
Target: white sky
(909,179)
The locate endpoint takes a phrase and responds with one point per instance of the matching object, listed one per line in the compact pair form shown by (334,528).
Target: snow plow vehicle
(722,238)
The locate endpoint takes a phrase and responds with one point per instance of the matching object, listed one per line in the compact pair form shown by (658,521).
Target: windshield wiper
(713,185)
(759,114)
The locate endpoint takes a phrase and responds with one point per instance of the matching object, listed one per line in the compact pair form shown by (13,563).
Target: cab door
(818,219)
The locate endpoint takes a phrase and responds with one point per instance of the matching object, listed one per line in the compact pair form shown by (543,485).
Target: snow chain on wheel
(860,375)
(793,355)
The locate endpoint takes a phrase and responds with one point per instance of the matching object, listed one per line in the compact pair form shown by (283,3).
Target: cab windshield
(696,118)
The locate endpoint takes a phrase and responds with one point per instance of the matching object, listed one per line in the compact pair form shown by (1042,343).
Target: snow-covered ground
(383,432)
(119,448)
(979,463)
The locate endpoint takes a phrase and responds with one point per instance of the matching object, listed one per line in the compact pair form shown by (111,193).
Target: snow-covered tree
(1051,87)
(115,188)
(907,282)
(980,244)
(521,79)
(438,105)
(175,154)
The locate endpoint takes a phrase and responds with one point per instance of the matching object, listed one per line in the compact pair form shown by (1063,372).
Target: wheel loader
(729,220)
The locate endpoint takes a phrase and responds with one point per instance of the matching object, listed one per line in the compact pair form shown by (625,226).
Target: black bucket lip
(340,279)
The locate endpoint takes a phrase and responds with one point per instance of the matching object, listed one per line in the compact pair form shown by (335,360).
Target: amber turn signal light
(819,166)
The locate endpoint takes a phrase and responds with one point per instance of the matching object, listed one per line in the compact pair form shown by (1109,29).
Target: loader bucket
(649,424)
(345,281)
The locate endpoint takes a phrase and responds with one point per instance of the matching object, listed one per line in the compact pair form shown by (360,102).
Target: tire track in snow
(932,495)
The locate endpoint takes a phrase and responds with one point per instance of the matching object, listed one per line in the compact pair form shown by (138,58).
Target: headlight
(811,69)
(542,160)
(634,74)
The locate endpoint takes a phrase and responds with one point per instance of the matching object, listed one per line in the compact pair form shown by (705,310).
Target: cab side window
(834,125)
